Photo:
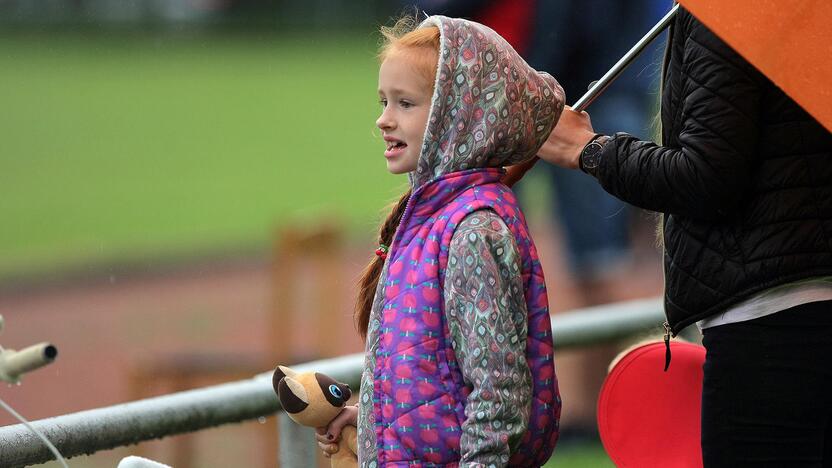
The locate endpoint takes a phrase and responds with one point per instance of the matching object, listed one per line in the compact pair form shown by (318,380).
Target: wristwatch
(591,154)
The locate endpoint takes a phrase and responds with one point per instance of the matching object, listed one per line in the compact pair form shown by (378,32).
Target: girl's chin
(396,167)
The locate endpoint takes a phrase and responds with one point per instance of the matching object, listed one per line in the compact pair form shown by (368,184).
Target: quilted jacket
(744,179)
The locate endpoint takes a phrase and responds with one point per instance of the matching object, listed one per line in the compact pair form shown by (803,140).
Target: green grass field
(580,455)
(123,147)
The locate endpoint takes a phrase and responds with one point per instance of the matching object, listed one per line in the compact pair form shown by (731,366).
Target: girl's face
(405,100)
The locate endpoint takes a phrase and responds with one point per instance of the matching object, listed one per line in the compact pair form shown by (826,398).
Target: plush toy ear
(292,395)
(288,371)
(279,374)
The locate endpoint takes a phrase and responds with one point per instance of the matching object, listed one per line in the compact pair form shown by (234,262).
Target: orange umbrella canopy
(790,41)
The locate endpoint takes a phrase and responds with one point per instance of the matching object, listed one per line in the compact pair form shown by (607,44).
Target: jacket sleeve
(487,319)
(704,173)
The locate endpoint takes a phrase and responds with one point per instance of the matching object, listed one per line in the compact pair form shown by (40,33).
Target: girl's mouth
(394,149)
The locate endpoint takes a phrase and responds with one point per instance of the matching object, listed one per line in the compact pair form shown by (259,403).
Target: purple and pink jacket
(489,109)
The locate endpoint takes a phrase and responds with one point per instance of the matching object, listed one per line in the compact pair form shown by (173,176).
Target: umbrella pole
(601,85)
(516,172)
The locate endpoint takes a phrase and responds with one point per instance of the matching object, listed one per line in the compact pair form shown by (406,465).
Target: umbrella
(789,41)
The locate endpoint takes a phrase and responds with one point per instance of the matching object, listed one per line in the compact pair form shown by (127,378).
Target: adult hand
(329,436)
(564,145)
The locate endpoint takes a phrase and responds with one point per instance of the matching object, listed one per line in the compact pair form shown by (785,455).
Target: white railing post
(297,446)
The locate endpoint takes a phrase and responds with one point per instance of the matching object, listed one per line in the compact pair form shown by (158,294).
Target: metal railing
(87,432)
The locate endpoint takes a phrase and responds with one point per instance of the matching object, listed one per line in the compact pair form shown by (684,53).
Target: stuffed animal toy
(312,399)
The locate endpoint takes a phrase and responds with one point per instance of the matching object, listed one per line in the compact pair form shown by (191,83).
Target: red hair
(421,47)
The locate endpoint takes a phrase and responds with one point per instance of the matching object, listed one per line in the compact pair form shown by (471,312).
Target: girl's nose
(384,121)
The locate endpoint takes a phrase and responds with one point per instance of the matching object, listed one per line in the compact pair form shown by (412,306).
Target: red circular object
(651,418)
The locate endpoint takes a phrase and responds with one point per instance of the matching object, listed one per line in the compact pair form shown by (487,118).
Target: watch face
(591,156)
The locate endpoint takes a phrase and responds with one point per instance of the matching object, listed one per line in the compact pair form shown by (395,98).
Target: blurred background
(189,190)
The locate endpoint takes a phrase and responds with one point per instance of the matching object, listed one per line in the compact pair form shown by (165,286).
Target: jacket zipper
(405,216)
(666,345)
(668,333)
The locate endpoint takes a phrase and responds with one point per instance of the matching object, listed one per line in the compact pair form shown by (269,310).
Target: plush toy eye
(335,391)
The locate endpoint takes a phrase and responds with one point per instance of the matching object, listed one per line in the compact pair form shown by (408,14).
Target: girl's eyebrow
(396,91)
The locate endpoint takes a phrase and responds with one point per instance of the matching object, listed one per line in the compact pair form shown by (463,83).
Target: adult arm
(704,173)
(487,318)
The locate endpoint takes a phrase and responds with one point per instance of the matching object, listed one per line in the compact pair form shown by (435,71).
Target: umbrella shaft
(598,88)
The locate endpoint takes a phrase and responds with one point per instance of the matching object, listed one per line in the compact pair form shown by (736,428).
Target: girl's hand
(564,145)
(329,436)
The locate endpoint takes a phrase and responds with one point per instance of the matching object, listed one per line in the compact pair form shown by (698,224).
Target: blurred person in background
(577,41)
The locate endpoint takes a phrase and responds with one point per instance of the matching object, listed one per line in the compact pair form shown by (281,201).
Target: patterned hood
(489,107)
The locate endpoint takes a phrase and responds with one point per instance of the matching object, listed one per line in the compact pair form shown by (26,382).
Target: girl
(459,366)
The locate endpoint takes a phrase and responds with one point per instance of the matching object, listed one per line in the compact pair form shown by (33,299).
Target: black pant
(767,396)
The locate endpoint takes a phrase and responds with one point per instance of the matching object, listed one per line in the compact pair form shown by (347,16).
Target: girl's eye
(405,104)
(383,102)
(335,391)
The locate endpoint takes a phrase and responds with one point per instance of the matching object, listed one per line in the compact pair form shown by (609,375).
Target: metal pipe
(595,325)
(601,85)
(297,446)
(13,364)
(89,431)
